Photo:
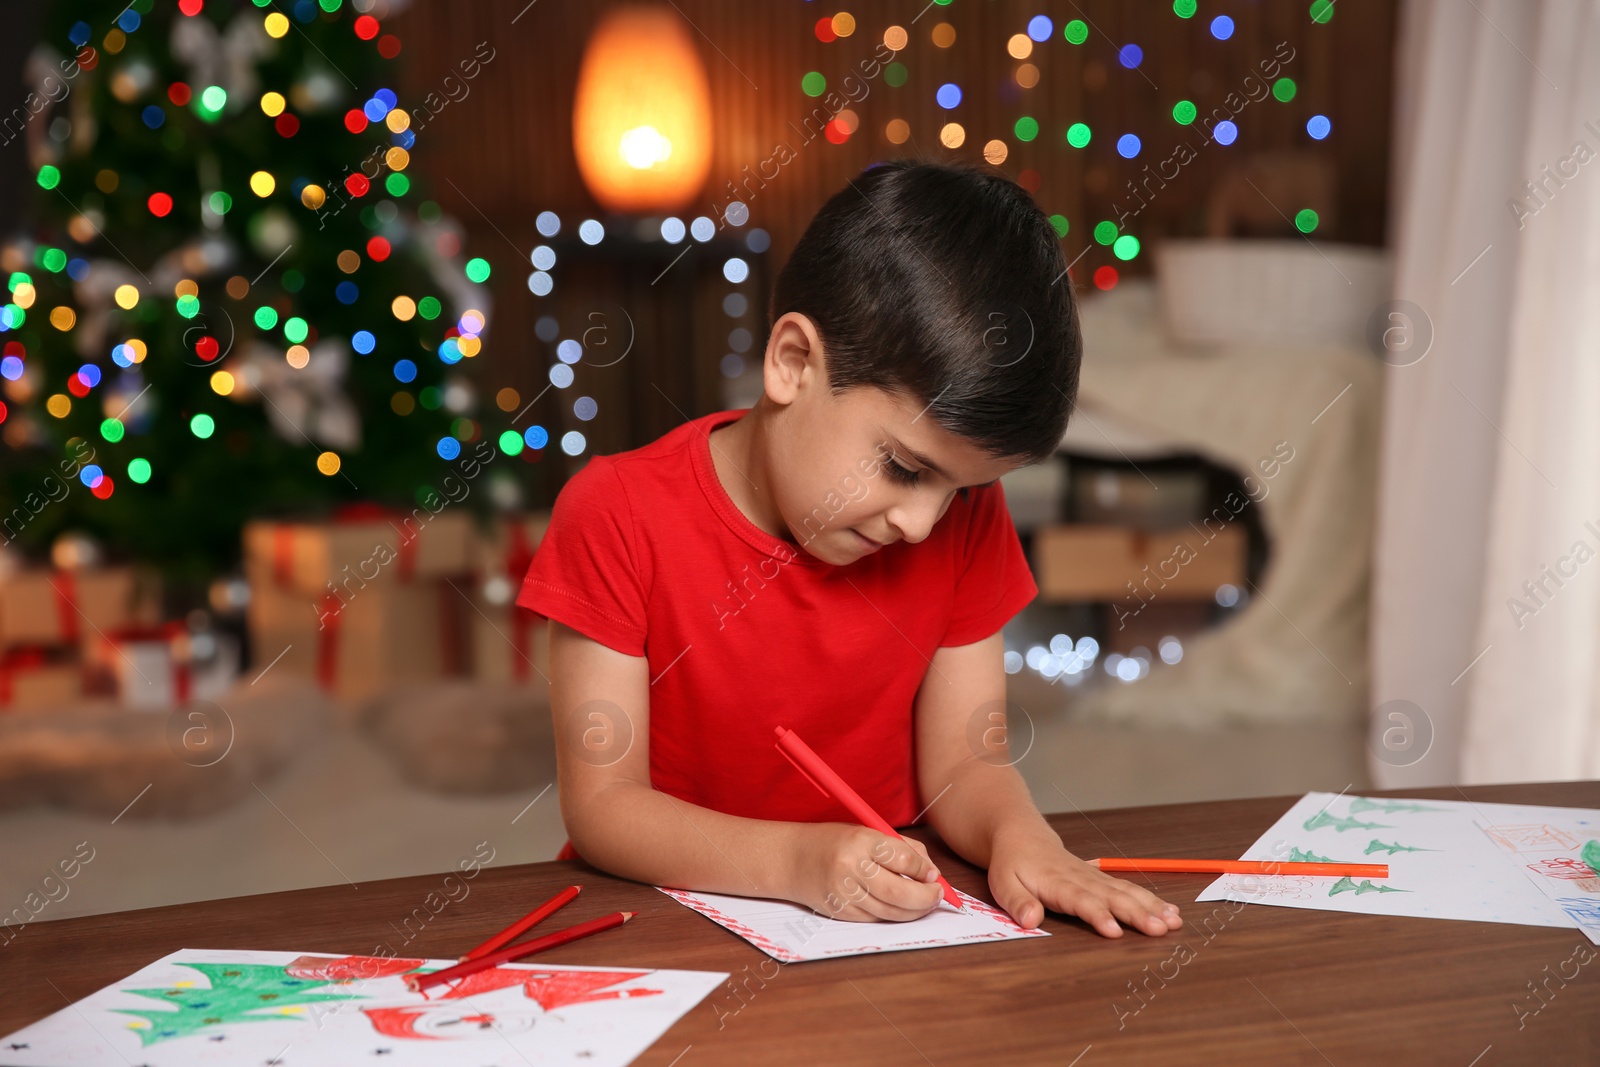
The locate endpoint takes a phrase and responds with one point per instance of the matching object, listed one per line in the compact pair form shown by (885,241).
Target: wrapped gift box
(1074,563)
(508,643)
(359,546)
(36,679)
(506,544)
(362,640)
(40,606)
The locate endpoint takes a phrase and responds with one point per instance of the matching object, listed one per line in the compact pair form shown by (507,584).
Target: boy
(837,560)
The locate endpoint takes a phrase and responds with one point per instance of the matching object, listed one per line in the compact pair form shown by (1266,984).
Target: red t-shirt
(647,554)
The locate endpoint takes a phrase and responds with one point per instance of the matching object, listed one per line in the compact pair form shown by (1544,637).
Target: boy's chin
(840,550)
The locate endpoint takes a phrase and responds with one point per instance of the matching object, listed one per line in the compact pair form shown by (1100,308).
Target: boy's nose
(912,524)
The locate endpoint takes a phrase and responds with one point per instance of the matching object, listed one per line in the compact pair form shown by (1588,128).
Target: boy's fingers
(890,911)
(1141,896)
(903,857)
(1017,900)
(903,880)
(1096,914)
(911,899)
(1138,907)
(887,897)
(1091,903)
(1142,910)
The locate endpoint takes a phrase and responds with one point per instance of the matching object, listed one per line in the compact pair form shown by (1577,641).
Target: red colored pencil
(418,983)
(1165,866)
(832,786)
(526,923)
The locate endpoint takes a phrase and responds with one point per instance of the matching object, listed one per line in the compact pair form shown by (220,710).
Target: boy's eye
(901,474)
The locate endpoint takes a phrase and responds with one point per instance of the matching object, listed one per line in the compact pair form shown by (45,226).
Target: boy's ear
(794,350)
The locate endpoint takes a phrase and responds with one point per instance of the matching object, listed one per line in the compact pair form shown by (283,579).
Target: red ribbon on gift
(282,554)
(17,660)
(328,641)
(66,587)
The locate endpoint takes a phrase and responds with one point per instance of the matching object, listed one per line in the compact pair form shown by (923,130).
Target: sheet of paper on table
(790,933)
(215,1006)
(1448,859)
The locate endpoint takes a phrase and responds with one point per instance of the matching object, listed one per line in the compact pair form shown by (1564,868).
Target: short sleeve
(992,578)
(586,573)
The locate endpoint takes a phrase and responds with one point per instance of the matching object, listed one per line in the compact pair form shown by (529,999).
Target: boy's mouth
(866,542)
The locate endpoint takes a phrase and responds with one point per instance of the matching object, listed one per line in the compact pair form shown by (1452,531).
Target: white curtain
(1486,596)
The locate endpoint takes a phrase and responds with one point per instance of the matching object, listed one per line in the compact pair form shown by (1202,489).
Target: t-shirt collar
(721,503)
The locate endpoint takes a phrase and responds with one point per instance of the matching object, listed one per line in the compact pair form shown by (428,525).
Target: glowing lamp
(641,116)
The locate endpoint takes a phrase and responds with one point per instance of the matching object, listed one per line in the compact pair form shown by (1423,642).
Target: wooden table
(1240,985)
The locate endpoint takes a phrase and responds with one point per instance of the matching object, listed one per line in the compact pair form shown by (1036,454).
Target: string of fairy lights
(1026,47)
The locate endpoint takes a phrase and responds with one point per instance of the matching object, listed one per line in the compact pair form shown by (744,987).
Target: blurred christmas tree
(228,305)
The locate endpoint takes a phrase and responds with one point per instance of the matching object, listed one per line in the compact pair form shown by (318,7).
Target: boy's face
(862,467)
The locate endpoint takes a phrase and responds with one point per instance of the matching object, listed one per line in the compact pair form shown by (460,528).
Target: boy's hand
(1031,871)
(855,873)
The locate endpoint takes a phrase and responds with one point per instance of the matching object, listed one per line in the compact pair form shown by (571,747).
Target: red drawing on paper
(349,968)
(452,1014)
(1533,837)
(442,1022)
(1580,874)
(560,989)
(551,988)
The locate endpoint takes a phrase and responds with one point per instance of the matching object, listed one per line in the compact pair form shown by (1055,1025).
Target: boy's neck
(739,457)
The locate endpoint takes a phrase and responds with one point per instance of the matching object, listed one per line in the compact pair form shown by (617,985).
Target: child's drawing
(1378,846)
(1297,855)
(1447,859)
(1366,885)
(1388,807)
(1342,823)
(1278,887)
(1585,911)
(200,1006)
(1536,837)
(221,995)
(1582,876)
(349,968)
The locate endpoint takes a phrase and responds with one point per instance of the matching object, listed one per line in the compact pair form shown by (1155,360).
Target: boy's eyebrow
(923,461)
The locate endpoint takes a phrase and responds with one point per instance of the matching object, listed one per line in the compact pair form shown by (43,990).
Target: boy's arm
(982,809)
(600,700)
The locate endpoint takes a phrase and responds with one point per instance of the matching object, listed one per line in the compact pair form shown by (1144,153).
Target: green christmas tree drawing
(1347,885)
(1297,855)
(1388,807)
(1378,846)
(236,993)
(1342,823)
(229,301)
(1591,855)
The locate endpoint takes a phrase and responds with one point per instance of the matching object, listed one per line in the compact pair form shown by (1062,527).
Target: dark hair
(947,283)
